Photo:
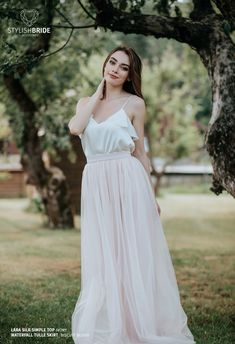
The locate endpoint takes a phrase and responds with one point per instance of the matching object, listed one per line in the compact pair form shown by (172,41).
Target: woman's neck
(113,92)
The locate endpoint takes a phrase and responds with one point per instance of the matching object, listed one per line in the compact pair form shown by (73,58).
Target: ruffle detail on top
(123,120)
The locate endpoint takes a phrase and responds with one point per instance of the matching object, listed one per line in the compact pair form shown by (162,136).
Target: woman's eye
(125,68)
(111,62)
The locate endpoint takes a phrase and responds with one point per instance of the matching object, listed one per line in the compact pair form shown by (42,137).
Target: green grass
(40,268)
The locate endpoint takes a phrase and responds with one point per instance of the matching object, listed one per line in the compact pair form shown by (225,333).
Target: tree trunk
(158,176)
(54,193)
(154,172)
(220,138)
(50,182)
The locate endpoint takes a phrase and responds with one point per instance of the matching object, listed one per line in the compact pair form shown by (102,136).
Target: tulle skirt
(129,292)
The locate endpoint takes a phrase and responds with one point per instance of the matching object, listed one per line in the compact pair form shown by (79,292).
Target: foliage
(14,45)
(173,93)
(55,85)
(5,130)
(35,205)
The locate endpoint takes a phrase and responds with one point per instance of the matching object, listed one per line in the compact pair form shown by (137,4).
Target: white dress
(129,292)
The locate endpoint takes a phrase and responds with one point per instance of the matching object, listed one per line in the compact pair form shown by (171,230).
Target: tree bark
(207,33)
(219,59)
(227,9)
(50,182)
(158,175)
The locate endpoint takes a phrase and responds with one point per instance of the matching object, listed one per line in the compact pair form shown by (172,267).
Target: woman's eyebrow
(117,61)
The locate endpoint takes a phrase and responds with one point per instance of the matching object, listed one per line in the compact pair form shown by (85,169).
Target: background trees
(206,26)
(40,90)
(47,74)
(172,127)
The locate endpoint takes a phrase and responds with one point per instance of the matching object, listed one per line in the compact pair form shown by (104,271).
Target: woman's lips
(113,76)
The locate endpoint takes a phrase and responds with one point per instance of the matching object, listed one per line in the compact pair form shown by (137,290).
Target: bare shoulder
(83,101)
(138,106)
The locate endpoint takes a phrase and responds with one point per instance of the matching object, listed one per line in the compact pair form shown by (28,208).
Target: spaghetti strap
(126,102)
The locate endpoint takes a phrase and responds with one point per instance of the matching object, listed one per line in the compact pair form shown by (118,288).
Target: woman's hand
(100,89)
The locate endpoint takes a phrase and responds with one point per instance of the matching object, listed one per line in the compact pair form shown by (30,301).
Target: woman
(129,292)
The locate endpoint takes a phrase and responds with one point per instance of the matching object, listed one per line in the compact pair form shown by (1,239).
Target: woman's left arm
(139,113)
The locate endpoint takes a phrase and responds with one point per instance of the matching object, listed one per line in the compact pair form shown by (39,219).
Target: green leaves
(227,27)
(174,87)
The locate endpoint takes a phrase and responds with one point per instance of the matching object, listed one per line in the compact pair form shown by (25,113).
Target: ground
(40,268)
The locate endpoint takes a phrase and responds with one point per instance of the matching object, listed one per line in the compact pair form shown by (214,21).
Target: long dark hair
(133,85)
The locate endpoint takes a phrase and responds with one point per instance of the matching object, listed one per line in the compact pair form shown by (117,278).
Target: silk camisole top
(114,134)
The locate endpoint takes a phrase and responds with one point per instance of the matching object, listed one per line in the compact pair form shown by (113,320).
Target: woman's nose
(115,69)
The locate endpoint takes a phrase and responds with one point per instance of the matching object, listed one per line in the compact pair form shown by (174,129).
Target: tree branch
(65,18)
(227,8)
(42,42)
(201,9)
(74,26)
(185,30)
(62,47)
(85,10)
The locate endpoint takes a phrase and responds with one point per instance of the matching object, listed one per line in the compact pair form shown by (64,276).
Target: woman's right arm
(84,109)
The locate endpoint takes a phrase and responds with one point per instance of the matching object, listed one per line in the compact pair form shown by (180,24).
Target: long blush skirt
(129,292)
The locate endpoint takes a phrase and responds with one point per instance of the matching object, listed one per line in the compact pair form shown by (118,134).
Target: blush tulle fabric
(129,292)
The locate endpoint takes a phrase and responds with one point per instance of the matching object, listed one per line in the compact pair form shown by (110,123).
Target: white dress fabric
(129,292)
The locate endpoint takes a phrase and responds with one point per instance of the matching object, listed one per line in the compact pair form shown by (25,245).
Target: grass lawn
(40,268)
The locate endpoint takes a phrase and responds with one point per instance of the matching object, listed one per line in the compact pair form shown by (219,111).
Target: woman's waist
(108,156)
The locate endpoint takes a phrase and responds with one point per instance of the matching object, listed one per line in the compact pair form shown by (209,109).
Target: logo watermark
(29,17)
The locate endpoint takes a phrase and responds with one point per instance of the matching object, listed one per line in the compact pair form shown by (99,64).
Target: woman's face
(117,68)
